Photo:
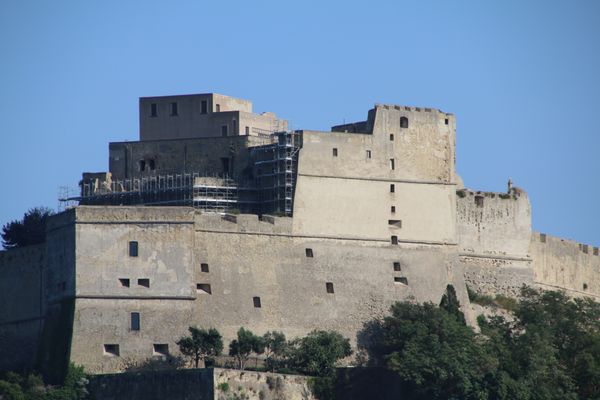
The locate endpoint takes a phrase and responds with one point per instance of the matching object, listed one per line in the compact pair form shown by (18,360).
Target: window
(145,282)
(256,302)
(151,165)
(135,321)
(203,288)
(124,282)
(329,287)
(335,153)
(394,239)
(224,130)
(218,108)
(397,223)
(368,153)
(133,249)
(479,201)
(225,164)
(111,350)
(203,107)
(247,131)
(153,110)
(397,266)
(543,237)
(446,121)
(204,267)
(392,137)
(392,188)
(401,279)
(585,248)
(309,253)
(142,165)
(585,286)
(403,122)
(595,251)
(393,209)
(161,349)
(392,164)
(174,112)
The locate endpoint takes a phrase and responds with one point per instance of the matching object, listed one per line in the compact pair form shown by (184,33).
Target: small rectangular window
(174,111)
(203,107)
(392,137)
(225,164)
(446,121)
(204,267)
(247,131)
(124,282)
(135,321)
(397,223)
(309,253)
(397,266)
(393,209)
(111,350)
(368,153)
(224,130)
(153,110)
(335,153)
(401,279)
(142,165)
(218,108)
(479,201)
(203,288)
(394,239)
(133,249)
(596,251)
(392,164)
(256,302)
(145,282)
(543,237)
(585,248)
(160,349)
(392,188)
(329,287)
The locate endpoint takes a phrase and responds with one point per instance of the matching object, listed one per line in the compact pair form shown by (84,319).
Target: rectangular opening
(124,282)
(392,188)
(203,288)
(401,279)
(585,248)
(224,130)
(135,321)
(247,131)
(329,287)
(153,110)
(394,239)
(392,164)
(142,165)
(393,209)
(397,266)
(160,349)
(596,251)
(133,249)
(145,282)
(218,107)
(151,164)
(174,111)
(368,153)
(396,223)
(256,302)
(543,237)
(309,253)
(392,137)
(111,350)
(479,201)
(204,267)
(335,153)
(225,164)
(204,107)
(446,121)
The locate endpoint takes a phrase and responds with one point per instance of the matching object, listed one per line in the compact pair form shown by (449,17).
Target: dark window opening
(161,349)
(247,131)
(585,248)
(335,153)
(368,153)
(153,110)
(133,249)
(203,107)
(479,201)
(401,279)
(309,253)
(397,266)
(392,188)
(392,164)
(135,321)
(585,286)
(393,209)
(218,108)
(329,287)
(204,267)
(403,122)
(174,112)
(395,222)
(256,302)
(203,288)
(142,165)
(151,165)
(392,137)
(111,350)
(225,164)
(543,237)
(224,130)
(145,282)
(124,282)
(394,239)
(595,251)
(446,121)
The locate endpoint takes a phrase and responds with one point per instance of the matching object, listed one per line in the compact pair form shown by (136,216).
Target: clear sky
(522,78)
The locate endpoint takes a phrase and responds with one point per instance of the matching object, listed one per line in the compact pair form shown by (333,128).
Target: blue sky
(522,77)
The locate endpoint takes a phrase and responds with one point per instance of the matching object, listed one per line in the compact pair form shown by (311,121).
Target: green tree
(275,346)
(318,352)
(201,344)
(245,344)
(30,230)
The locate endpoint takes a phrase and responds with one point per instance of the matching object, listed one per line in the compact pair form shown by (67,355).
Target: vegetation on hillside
(31,386)
(27,231)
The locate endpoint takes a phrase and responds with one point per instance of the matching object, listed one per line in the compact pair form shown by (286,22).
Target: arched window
(403,122)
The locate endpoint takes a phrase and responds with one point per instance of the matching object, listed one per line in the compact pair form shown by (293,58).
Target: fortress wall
(496,275)
(21,313)
(565,264)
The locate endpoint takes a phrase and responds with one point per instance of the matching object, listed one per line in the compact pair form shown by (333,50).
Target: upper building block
(203,115)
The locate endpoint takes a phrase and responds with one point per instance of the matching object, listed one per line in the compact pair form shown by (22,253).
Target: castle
(221,217)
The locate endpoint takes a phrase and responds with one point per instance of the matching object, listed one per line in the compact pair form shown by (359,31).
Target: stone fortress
(220,217)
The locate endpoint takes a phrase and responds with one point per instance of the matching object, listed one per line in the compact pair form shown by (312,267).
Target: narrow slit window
(401,279)
(133,249)
(368,153)
(135,321)
(329,287)
(446,121)
(224,130)
(393,209)
(309,253)
(204,267)
(394,239)
(174,111)
(124,282)
(391,137)
(256,302)
(392,164)
(335,152)
(392,188)
(145,282)
(247,131)
(397,266)
(142,165)
(203,288)
(160,349)
(204,107)
(153,110)
(111,350)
